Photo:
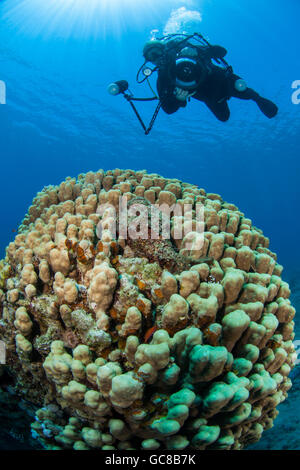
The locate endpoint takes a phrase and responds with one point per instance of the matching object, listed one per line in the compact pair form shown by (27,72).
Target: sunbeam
(78,18)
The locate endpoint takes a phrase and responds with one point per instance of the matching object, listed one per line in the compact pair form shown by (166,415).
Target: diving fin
(267,107)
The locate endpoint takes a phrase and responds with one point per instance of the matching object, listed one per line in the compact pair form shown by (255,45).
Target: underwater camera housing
(190,73)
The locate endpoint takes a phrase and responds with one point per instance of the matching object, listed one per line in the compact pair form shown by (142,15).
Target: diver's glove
(182,95)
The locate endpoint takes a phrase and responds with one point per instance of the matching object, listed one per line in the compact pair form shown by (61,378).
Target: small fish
(149,333)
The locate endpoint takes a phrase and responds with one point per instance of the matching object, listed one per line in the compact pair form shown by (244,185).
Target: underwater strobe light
(118,87)
(240,85)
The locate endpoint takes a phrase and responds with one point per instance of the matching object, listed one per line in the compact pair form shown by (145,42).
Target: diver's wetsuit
(215,91)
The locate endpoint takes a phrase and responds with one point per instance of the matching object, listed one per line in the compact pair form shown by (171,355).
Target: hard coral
(144,343)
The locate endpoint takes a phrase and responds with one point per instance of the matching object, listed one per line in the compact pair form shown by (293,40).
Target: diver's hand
(182,95)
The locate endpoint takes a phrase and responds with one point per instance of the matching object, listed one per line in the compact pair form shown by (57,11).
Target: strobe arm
(121,87)
(130,98)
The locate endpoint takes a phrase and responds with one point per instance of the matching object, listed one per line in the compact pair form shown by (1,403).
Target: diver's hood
(153,51)
(190,73)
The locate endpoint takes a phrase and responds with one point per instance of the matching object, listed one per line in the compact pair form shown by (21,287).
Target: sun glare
(77,17)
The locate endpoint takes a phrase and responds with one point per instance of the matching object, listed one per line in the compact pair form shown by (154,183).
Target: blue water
(57,58)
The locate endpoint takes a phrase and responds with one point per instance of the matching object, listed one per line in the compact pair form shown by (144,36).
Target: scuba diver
(188,66)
